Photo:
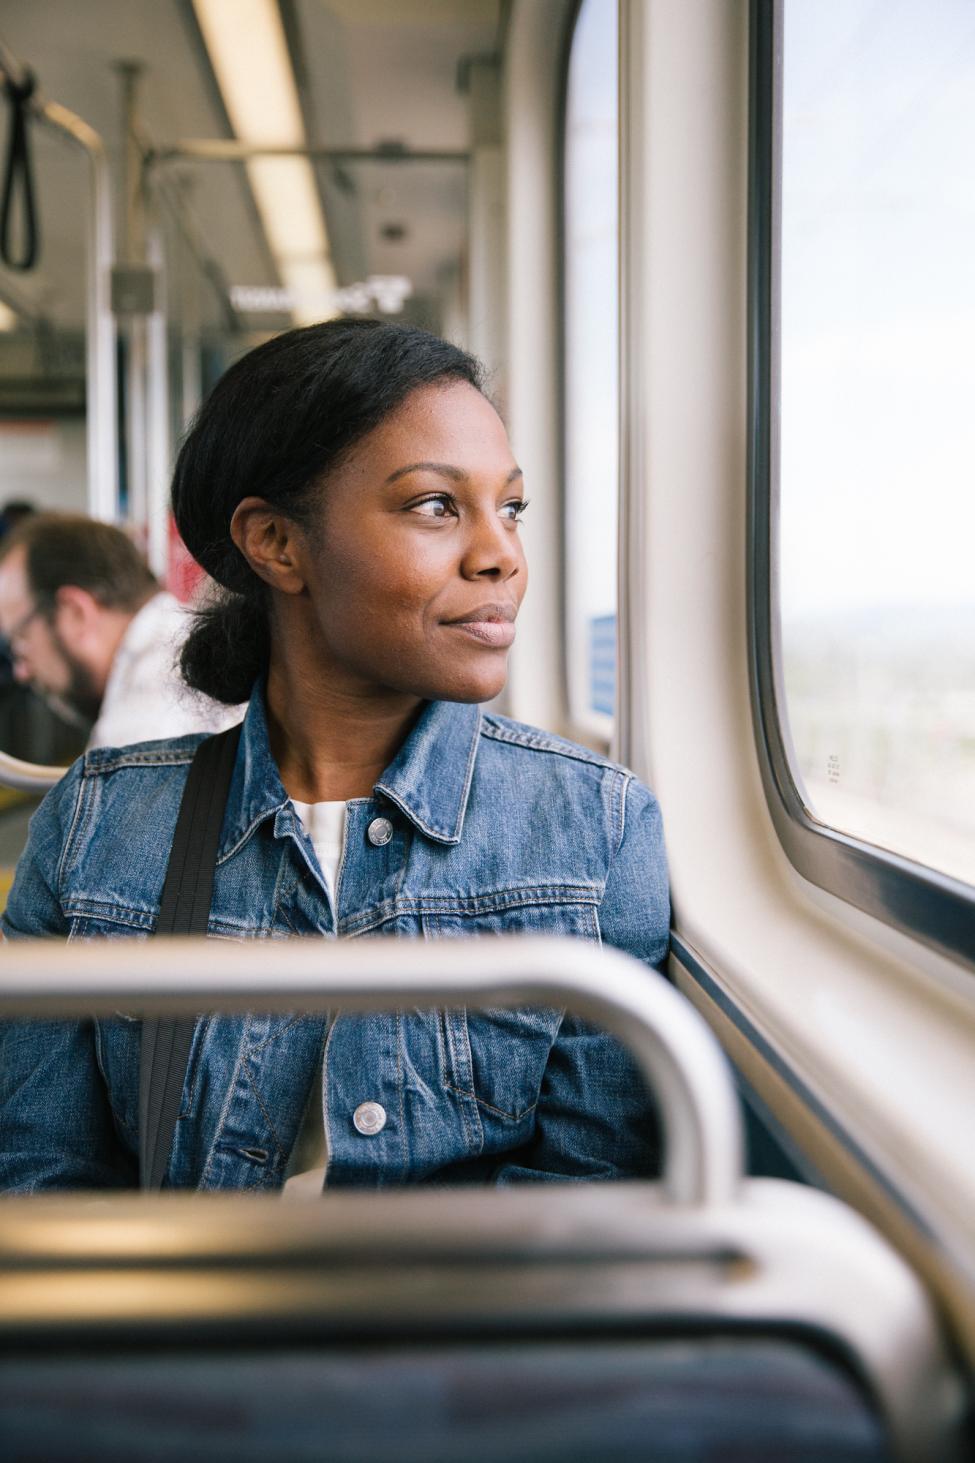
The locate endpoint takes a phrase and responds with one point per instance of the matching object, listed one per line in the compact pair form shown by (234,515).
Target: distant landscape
(881,710)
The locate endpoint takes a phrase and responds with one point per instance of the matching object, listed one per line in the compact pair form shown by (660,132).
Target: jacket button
(369,1119)
(380,831)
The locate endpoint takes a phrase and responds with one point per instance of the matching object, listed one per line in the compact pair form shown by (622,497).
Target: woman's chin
(471,688)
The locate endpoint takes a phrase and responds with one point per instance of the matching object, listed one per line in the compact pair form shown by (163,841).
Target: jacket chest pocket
(498,1057)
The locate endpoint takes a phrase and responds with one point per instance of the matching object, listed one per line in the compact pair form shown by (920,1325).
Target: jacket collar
(429,779)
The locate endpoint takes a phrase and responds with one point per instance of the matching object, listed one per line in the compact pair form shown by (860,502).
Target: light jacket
(495,827)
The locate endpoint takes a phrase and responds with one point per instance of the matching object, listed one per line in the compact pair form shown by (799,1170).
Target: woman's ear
(269,541)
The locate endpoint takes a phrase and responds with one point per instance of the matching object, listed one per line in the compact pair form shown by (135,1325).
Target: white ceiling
(371,71)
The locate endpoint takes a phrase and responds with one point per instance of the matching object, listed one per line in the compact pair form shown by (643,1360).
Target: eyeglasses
(15,635)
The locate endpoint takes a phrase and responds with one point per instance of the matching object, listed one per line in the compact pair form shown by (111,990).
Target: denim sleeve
(56,1129)
(34,905)
(595,1118)
(635,911)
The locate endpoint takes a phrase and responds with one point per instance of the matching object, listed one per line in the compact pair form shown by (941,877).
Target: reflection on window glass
(877,420)
(591,371)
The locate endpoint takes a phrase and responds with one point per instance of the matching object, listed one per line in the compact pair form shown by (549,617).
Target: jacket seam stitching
(531,744)
(489,1106)
(275,1036)
(621,792)
(92,769)
(211,1158)
(401,1097)
(92,909)
(330,1026)
(468,777)
(193,1064)
(265,1114)
(473,1140)
(69,844)
(588,894)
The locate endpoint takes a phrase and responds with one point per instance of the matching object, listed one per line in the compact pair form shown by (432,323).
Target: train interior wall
(580,213)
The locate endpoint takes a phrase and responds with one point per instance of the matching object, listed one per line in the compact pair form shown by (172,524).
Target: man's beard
(81,695)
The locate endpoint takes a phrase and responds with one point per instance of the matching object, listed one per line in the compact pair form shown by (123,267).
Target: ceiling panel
(372,71)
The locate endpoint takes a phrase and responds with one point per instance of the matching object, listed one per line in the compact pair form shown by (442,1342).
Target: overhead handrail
(677,1054)
(28,776)
(231,149)
(102,399)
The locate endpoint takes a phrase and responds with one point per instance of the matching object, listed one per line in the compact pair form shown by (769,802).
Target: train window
(863,307)
(591,366)
(877,432)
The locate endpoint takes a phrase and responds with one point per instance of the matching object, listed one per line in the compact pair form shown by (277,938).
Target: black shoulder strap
(184,910)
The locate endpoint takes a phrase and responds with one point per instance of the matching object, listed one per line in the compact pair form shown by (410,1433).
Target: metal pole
(222,150)
(102,394)
(28,776)
(132,251)
(158,442)
(190,342)
(176,199)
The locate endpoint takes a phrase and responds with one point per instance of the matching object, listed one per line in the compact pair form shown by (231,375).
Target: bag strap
(184,910)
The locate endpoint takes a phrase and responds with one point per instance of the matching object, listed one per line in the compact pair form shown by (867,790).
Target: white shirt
(325,825)
(145,696)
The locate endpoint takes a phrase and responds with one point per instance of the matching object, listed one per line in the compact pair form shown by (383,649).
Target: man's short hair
(67,548)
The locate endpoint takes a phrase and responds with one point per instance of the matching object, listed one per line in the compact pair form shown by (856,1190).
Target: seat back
(694,1275)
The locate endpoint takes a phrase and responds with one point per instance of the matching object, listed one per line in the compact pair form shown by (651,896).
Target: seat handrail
(28,776)
(677,1054)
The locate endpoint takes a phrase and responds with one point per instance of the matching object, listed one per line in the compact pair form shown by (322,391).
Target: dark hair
(13,512)
(274,425)
(67,548)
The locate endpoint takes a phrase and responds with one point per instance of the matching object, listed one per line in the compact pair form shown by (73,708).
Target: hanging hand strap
(184,910)
(18,171)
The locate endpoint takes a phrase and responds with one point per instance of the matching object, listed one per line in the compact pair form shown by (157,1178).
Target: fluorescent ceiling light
(8,317)
(249,54)
(288,200)
(313,287)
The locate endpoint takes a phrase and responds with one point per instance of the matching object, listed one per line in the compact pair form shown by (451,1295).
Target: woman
(353,491)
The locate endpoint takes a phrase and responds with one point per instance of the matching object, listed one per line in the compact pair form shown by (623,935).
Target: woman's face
(414,572)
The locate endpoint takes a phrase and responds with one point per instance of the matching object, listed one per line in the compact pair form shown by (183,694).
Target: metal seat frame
(703,1251)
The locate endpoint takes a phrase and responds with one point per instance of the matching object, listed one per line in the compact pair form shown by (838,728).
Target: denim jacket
(496,827)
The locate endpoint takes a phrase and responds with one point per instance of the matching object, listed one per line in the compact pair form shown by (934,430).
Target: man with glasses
(88,626)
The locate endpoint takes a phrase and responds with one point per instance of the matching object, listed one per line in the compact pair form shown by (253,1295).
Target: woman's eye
(513,510)
(440,506)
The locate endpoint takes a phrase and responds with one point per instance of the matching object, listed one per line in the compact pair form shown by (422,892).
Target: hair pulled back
(273,427)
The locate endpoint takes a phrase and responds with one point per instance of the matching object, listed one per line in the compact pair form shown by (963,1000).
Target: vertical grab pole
(133,320)
(158,430)
(102,395)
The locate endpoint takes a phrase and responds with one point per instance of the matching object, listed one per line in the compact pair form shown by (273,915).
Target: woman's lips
(497,633)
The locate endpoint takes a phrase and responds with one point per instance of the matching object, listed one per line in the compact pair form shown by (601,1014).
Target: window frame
(922,902)
(593,728)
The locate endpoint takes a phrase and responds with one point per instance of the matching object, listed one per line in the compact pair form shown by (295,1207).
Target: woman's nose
(493,549)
